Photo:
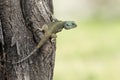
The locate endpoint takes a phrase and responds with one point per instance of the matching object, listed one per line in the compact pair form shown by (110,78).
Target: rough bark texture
(19,34)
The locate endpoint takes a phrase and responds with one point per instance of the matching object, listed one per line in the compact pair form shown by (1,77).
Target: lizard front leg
(53,37)
(44,28)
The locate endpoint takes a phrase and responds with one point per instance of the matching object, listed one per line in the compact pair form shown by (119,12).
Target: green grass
(89,52)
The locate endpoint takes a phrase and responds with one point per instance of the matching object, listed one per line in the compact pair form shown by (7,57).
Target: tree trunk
(20,21)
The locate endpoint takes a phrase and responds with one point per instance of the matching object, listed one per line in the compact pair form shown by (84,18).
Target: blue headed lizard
(50,31)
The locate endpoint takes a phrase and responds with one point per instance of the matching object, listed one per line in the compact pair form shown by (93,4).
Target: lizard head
(69,25)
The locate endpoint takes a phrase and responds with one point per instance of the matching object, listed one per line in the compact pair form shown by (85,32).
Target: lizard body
(50,29)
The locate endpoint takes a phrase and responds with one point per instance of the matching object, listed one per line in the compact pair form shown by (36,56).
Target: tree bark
(20,21)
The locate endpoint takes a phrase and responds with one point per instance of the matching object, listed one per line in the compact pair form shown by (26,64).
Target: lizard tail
(26,57)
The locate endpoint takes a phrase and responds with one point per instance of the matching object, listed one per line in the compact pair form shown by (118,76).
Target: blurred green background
(92,50)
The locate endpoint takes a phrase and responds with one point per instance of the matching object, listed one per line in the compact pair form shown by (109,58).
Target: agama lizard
(50,31)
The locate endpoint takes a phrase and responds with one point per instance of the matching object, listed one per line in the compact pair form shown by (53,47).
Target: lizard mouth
(74,25)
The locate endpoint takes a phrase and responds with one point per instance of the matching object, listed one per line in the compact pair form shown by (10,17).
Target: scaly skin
(53,28)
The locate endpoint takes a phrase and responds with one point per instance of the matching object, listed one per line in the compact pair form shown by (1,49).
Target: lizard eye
(67,24)
(73,23)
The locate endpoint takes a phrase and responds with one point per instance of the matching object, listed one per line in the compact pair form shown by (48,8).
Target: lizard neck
(56,26)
